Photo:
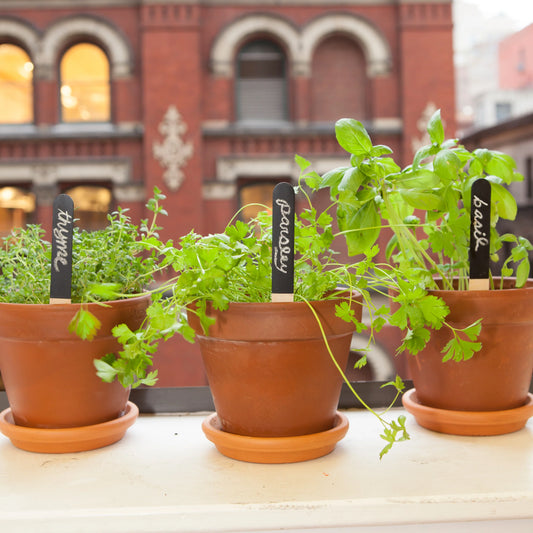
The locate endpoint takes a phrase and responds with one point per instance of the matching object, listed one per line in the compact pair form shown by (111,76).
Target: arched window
(339,81)
(85,84)
(91,206)
(15,206)
(16,85)
(261,82)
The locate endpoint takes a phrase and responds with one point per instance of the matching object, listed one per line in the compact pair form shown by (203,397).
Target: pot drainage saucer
(275,449)
(67,440)
(471,423)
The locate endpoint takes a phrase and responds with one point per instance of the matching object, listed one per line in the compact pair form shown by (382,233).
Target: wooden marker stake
(62,226)
(480,235)
(283,243)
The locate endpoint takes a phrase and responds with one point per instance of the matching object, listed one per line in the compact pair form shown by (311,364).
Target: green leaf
(123,333)
(447,165)
(503,201)
(522,272)
(434,310)
(352,136)
(302,162)
(420,199)
(501,165)
(398,384)
(362,226)
(84,324)
(333,178)
(460,350)
(379,150)
(352,179)
(105,291)
(415,340)
(421,178)
(423,153)
(435,128)
(463,346)
(104,370)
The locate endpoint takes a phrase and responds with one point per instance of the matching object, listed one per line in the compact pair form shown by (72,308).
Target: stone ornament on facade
(173,153)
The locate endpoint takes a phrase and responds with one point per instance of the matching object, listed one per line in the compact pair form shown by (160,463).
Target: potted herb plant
(47,352)
(274,367)
(472,343)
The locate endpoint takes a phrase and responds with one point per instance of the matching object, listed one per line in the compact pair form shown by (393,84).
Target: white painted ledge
(165,476)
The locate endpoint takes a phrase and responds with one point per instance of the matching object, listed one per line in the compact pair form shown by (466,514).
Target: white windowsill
(166,476)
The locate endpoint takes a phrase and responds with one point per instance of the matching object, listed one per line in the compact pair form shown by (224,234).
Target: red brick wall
(427,66)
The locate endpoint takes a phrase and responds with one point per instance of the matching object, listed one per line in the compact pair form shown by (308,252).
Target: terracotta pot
(268,368)
(497,377)
(48,373)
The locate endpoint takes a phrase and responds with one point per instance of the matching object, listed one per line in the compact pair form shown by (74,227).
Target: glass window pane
(255,197)
(91,206)
(15,206)
(16,85)
(85,87)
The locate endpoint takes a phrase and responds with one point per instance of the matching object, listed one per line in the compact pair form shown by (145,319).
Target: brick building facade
(211,99)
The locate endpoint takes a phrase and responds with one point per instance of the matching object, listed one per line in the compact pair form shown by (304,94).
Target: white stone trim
(46,173)
(300,45)
(375,46)
(229,169)
(21,33)
(219,191)
(62,31)
(225,47)
(387,123)
(129,192)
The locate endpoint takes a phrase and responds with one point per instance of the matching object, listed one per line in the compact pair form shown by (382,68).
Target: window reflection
(16,85)
(255,197)
(91,204)
(15,206)
(85,87)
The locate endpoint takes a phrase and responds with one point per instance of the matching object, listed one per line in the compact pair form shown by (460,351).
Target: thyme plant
(108,264)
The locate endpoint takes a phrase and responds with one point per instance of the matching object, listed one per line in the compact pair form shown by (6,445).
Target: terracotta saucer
(472,423)
(277,449)
(67,440)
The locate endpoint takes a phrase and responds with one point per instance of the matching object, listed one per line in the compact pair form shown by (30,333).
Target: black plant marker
(283,243)
(480,235)
(61,274)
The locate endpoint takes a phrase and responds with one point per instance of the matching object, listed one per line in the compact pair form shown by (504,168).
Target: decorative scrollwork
(173,153)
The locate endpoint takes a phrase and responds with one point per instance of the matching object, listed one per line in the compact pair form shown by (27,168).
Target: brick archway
(59,33)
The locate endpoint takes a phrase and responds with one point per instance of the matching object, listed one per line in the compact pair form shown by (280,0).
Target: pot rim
(479,293)
(355,296)
(100,305)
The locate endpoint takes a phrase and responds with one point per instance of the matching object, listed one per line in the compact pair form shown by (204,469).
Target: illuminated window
(261,82)
(85,87)
(16,85)
(255,197)
(15,205)
(91,206)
